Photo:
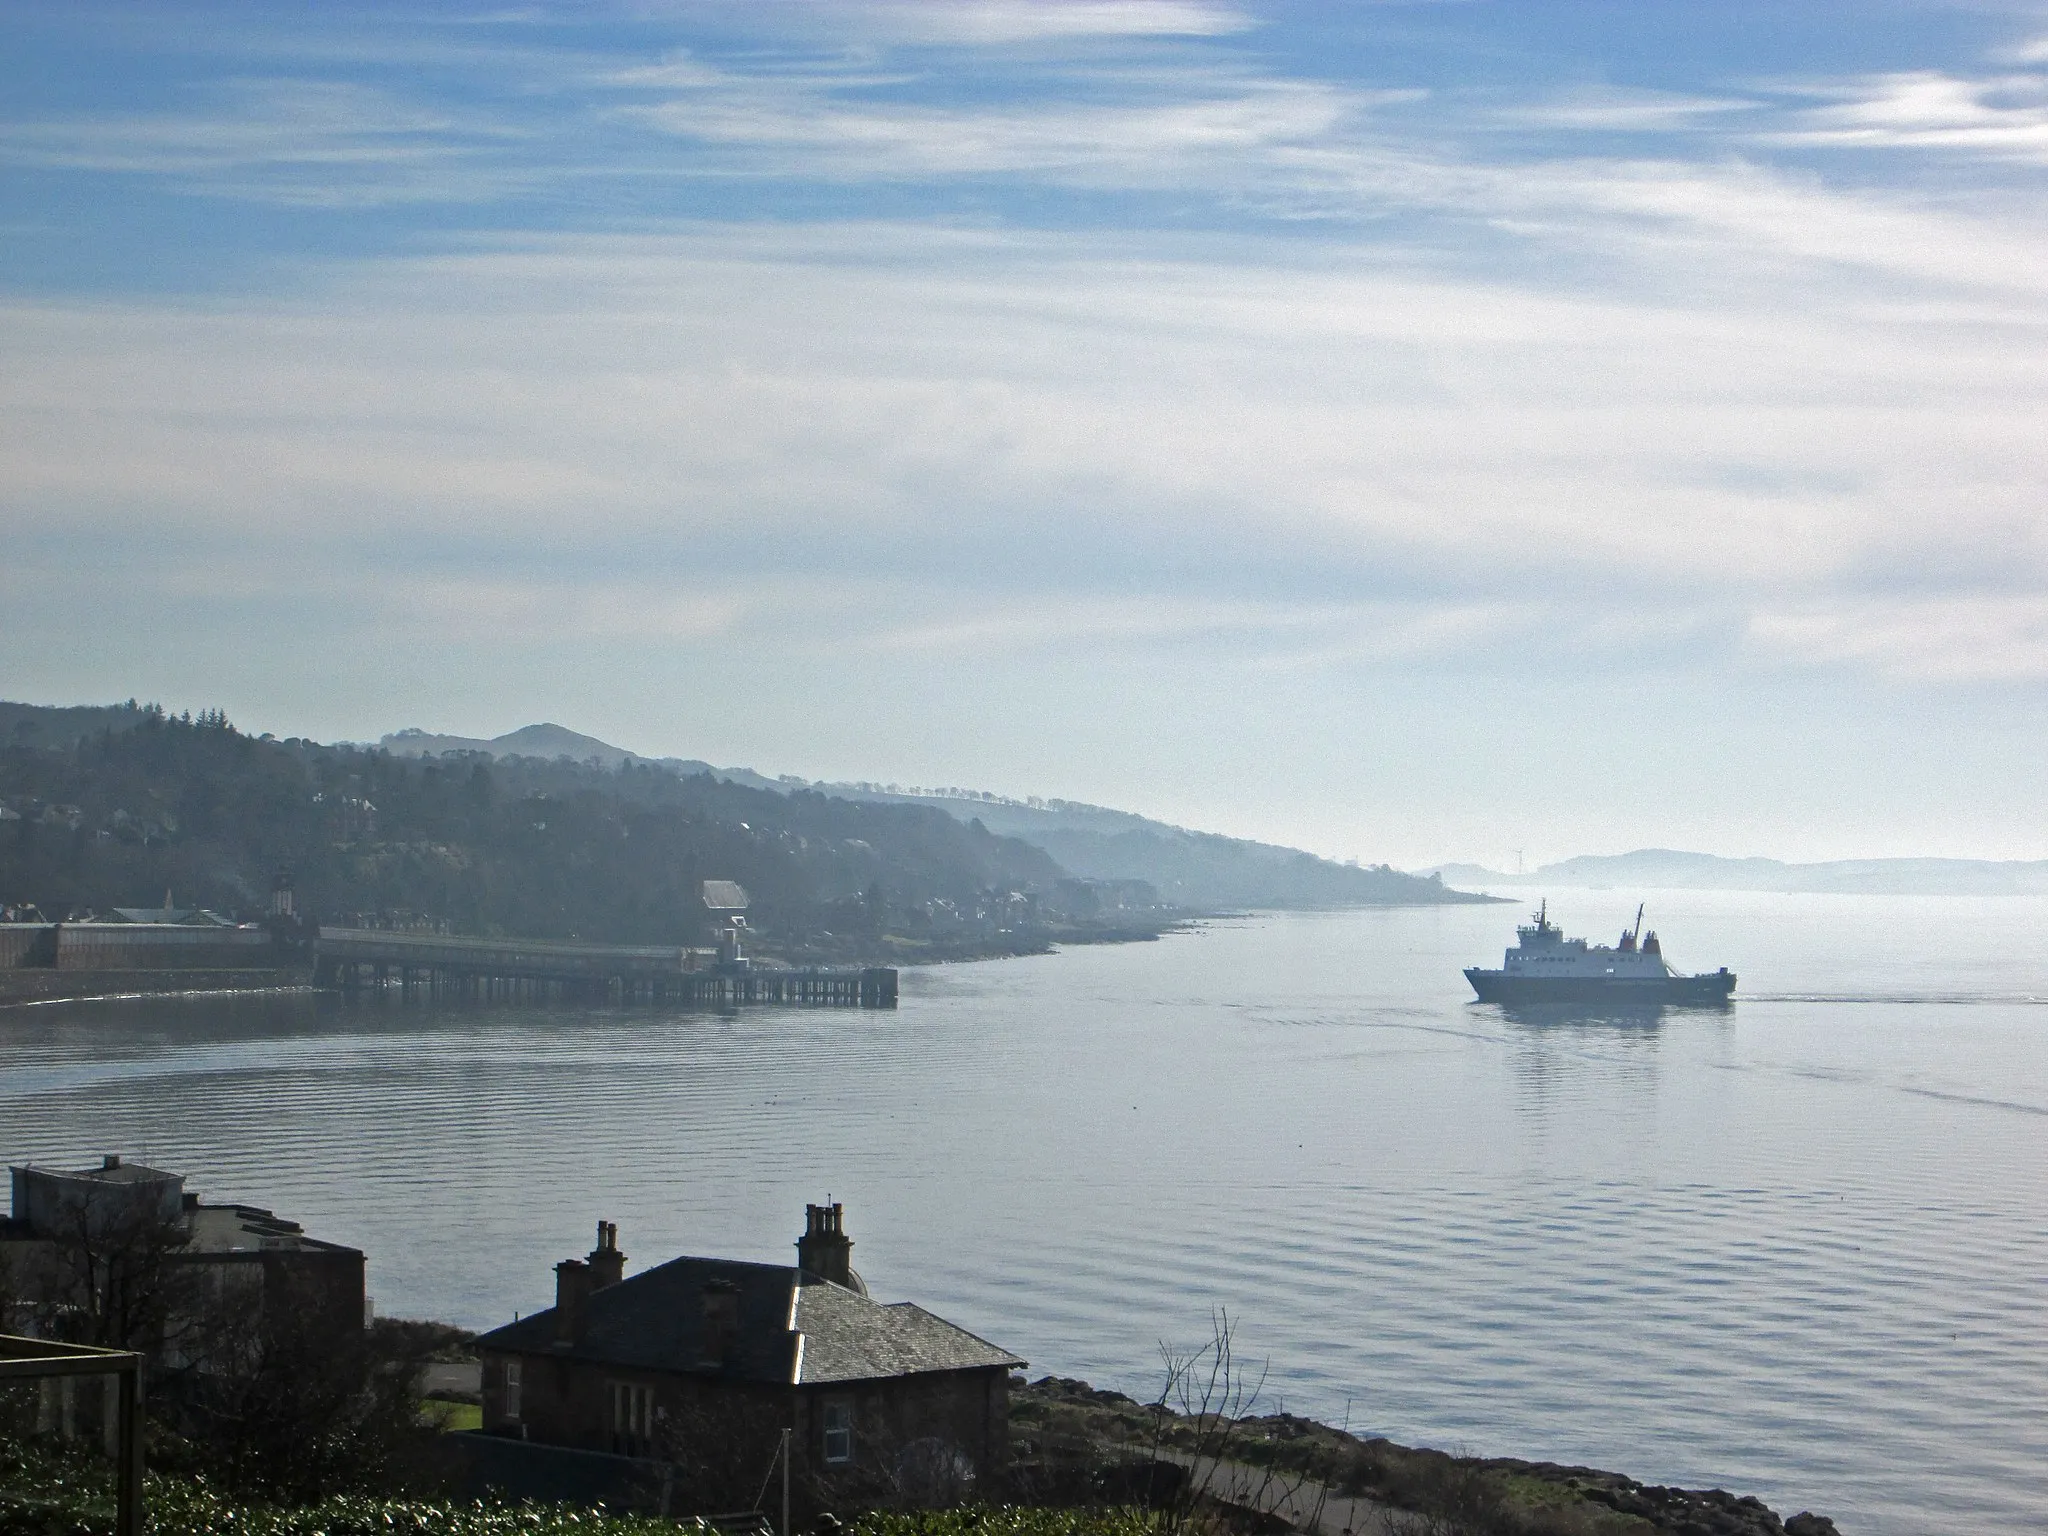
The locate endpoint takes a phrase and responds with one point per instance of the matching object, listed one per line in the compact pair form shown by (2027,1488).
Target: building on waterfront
(136,943)
(168,915)
(728,902)
(706,1364)
(123,1254)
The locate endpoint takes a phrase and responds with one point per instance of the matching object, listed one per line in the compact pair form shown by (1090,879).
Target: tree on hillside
(519,846)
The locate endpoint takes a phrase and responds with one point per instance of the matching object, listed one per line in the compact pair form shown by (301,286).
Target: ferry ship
(1547,967)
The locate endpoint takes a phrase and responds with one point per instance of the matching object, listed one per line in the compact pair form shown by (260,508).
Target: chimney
(825,1249)
(572,1290)
(721,1321)
(607,1264)
(110,1160)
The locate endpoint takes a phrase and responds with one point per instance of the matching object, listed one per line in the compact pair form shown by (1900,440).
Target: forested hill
(1202,871)
(519,846)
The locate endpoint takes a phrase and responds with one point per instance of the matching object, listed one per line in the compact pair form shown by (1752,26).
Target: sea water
(1797,1248)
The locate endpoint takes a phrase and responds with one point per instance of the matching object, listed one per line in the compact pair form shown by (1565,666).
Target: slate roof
(112,1173)
(725,896)
(795,1328)
(181,917)
(249,1228)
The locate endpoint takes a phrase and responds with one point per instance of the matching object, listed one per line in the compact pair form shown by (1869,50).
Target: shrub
(1004,1520)
(72,1494)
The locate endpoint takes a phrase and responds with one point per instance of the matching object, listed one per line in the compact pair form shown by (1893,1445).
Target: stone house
(125,1251)
(707,1363)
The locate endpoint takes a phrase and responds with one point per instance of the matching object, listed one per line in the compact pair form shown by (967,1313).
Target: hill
(543,741)
(552,742)
(42,725)
(1200,871)
(1672,869)
(519,845)
(1203,870)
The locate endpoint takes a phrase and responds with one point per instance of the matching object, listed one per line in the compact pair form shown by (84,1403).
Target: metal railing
(40,1359)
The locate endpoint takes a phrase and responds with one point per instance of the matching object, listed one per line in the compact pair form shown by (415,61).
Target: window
(511,1389)
(838,1433)
(632,1418)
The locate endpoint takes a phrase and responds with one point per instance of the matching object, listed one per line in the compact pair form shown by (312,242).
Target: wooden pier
(517,970)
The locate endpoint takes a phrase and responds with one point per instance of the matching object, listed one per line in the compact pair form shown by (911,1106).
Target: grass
(447,1416)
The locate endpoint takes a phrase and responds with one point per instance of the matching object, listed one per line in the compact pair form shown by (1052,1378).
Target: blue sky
(1411,431)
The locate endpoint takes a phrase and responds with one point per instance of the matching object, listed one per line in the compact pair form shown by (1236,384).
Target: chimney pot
(825,1249)
(607,1264)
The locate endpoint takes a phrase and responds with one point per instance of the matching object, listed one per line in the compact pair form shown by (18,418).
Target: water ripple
(1797,1248)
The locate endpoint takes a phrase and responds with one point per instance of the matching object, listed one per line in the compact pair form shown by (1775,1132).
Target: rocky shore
(1282,1471)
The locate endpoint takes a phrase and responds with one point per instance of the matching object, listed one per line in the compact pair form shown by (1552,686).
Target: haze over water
(1797,1249)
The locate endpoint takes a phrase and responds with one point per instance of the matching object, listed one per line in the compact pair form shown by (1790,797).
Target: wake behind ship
(1547,967)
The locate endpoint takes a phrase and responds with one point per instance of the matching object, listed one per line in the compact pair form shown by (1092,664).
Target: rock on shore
(1066,1432)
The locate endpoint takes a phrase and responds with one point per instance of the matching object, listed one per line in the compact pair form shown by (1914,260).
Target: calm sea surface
(1798,1249)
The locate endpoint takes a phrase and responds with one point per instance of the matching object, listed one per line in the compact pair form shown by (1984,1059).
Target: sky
(1407,431)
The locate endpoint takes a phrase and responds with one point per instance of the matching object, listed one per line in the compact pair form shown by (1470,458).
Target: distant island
(1670,869)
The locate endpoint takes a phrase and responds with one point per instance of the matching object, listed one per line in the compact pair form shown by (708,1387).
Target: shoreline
(24,986)
(1314,1476)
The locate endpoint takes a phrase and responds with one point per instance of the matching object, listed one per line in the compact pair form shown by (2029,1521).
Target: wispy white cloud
(2004,115)
(995,22)
(1793,217)
(2033,50)
(1085,620)
(314,143)
(1030,437)
(532,607)
(1296,149)
(1629,109)
(1970,638)
(1275,637)
(807,133)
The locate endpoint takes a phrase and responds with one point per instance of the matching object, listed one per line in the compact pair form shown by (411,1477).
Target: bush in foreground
(73,1495)
(1005,1520)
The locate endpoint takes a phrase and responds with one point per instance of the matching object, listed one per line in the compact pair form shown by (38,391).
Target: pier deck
(515,969)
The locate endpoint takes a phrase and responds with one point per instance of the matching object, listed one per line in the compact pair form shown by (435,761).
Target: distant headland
(1670,869)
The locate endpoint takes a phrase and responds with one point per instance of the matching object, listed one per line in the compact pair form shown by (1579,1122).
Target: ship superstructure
(1545,966)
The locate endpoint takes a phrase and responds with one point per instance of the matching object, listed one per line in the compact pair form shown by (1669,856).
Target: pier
(510,970)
